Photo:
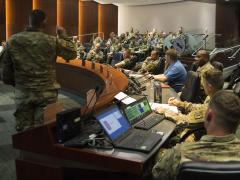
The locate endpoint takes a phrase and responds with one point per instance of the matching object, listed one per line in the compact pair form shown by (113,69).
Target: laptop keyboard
(149,122)
(140,139)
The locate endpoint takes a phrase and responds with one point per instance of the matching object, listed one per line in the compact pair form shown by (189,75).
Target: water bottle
(157,89)
(151,92)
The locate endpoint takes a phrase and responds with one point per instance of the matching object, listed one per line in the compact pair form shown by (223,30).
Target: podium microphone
(97,92)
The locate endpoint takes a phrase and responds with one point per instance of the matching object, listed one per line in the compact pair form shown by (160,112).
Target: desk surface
(42,141)
(40,146)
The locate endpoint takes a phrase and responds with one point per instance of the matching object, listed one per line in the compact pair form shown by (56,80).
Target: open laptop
(70,131)
(122,134)
(140,114)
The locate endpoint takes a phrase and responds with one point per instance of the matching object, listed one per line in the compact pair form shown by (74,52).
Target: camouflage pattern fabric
(95,56)
(29,64)
(30,105)
(149,65)
(195,113)
(209,148)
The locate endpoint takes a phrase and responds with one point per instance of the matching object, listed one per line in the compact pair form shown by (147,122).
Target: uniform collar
(227,138)
(202,67)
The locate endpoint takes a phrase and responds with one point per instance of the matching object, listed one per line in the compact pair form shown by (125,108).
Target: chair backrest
(209,171)
(191,87)
(117,57)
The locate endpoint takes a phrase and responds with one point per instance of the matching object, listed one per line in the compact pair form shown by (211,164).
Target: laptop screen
(137,110)
(113,122)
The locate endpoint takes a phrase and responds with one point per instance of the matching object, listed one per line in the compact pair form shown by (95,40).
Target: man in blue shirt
(175,74)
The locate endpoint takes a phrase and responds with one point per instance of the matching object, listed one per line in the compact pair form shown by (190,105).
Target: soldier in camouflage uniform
(95,54)
(127,62)
(29,61)
(220,144)
(150,64)
(204,65)
(194,113)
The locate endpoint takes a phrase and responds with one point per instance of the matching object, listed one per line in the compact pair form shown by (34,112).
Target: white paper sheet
(128,100)
(164,106)
(120,96)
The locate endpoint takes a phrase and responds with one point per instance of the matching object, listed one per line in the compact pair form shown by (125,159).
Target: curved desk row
(78,79)
(43,158)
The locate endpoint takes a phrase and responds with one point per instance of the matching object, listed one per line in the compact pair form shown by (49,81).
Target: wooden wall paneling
(2,20)
(227,24)
(50,8)
(67,15)
(17,14)
(107,19)
(88,19)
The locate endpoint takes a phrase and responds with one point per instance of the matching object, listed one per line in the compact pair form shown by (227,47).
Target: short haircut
(128,51)
(215,78)
(204,54)
(226,106)
(217,65)
(37,17)
(172,53)
(155,51)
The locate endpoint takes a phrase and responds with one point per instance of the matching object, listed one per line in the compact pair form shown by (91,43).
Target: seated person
(150,64)
(95,54)
(128,61)
(220,144)
(81,54)
(194,113)
(175,74)
(203,64)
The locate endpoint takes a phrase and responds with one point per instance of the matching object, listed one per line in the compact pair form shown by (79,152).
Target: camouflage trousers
(30,106)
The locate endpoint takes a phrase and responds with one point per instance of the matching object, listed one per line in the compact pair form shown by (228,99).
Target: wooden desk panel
(78,79)
(39,146)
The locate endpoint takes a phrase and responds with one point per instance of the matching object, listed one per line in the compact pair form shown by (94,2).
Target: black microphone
(97,92)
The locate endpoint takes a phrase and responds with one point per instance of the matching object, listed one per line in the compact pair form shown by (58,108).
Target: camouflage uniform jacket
(95,56)
(149,65)
(195,113)
(202,70)
(29,60)
(127,63)
(209,148)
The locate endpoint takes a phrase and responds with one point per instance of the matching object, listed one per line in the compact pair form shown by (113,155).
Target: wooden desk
(78,79)
(43,159)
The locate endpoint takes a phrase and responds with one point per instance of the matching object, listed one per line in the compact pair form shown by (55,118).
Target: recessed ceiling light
(227,0)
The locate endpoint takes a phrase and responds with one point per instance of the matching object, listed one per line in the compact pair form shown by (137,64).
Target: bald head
(202,57)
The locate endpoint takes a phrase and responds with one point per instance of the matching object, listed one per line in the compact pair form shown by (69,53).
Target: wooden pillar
(2,20)
(88,19)
(107,19)
(67,16)
(17,14)
(50,8)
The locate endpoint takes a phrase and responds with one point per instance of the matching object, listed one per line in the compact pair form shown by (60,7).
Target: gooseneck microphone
(97,92)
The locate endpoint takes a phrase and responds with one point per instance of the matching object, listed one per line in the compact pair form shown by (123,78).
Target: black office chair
(191,88)
(209,171)
(194,128)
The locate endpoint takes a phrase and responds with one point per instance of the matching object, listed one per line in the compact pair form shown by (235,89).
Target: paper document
(136,75)
(128,100)
(164,106)
(120,96)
